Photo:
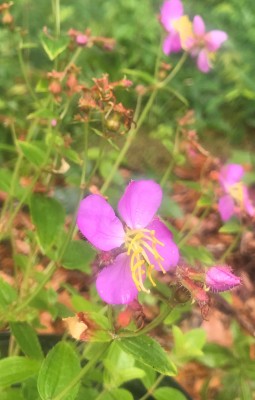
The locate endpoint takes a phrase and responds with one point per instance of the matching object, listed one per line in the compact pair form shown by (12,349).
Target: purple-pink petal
(172,43)
(226,207)
(220,278)
(215,39)
(170,11)
(249,208)
(198,26)
(230,174)
(139,203)
(203,62)
(169,251)
(115,284)
(98,223)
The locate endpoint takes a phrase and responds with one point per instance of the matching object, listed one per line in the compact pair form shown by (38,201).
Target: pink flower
(220,278)
(171,11)
(146,242)
(235,192)
(204,45)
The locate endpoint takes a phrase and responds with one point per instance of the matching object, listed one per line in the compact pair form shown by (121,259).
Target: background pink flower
(204,45)
(236,193)
(170,12)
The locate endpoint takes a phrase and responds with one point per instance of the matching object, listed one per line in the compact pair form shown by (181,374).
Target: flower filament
(139,243)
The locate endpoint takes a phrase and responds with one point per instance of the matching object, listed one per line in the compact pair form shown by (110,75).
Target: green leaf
(166,393)
(5,180)
(48,216)
(148,351)
(58,370)
(71,155)
(11,394)
(120,367)
(7,294)
(54,47)
(33,152)
(79,303)
(44,113)
(16,369)
(232,226)
(27,339)
(139,74)
(78,255)
(216,356)
(116,394)
(188,345)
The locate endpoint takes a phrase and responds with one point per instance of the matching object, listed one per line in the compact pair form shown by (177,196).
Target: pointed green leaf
(7,294)
(48,216)
(116,394)
(27,339)
(16,369)
(54,47)
(78,255)
(232,226)
(58,370)
(148,351)
(167,393)
(33,152)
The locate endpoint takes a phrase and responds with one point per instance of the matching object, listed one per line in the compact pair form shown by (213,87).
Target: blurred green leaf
(78,255)
(33,152)
(59,368)
(7,294)
(12,394)
(17,369)
(27,339)
(81,304)
(166,393)
(231,226)
(120,367)
(48,216)
(148,351)
(53,47)
(188,345)
(216,356)
(116,394)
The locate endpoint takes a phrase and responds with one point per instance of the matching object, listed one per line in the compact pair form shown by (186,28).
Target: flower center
(237,193)
(139,243)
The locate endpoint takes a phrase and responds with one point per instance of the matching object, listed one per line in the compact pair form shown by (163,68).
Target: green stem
(151,390)
(47,275)
(153,324)
(130,137)
(230,247)
(172,162)
(175,71)
(98,161)
(83,372)
(57,17)
(24,72)
(194,229)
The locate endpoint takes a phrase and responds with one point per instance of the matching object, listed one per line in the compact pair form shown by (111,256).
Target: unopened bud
(81,40)
(220,278)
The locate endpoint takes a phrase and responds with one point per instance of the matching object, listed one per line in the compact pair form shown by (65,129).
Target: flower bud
(220,278)
(81,39)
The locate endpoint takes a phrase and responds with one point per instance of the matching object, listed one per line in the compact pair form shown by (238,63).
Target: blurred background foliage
(223,100)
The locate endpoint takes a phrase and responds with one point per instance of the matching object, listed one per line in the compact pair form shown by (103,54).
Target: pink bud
(81,40)
(220,278)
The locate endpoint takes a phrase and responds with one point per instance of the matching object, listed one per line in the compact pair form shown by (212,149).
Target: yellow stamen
(140,242)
